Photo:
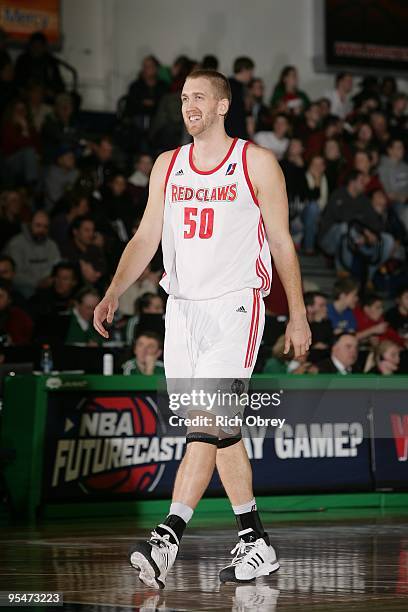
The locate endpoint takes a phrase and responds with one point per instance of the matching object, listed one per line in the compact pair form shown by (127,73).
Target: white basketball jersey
(213,235)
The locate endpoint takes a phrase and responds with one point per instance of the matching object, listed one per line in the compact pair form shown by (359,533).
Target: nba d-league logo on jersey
(113,444)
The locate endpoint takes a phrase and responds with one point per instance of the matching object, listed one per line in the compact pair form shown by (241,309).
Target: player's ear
(223,106)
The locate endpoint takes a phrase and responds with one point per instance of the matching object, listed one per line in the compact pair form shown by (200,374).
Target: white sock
(243,508)
(181,510)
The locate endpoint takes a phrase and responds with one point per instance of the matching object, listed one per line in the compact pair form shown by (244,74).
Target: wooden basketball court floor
(353,565)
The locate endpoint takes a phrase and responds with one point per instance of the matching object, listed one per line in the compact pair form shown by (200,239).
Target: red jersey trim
(261,270)
(253,332)
(246,173)
(170,168)
(195,169)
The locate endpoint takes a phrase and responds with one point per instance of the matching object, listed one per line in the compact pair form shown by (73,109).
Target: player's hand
(299,335)
(104,312)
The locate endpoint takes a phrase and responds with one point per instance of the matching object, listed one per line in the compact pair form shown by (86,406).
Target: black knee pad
(200,436)
(225,442)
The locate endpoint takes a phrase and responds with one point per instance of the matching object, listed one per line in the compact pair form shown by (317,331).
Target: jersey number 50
(206,222)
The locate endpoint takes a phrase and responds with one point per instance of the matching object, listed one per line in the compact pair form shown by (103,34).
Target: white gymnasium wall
(106,39)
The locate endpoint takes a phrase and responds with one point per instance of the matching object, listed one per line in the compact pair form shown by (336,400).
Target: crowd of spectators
(70,200)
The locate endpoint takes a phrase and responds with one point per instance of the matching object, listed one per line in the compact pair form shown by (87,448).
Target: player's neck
(210,148)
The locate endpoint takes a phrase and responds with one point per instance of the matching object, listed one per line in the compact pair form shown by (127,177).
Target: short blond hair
(219,82)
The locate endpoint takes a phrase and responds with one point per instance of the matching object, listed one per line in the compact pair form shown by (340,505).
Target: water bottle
(46,359)
(107,364)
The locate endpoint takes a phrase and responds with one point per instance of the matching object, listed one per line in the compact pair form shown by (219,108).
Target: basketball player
(219,206)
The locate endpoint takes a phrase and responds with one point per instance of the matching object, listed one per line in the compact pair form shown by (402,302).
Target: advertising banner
(126,445)
(21,18)
(390,425)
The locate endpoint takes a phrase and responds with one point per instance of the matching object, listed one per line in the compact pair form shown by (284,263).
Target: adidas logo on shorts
(179,172)
(241,309)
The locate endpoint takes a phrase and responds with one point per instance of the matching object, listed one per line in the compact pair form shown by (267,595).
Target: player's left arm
(270,189)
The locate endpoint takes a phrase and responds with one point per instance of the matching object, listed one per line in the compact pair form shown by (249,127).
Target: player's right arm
(140,249)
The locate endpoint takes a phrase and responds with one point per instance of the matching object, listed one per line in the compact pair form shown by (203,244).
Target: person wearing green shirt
(80,328)
(286,90)
(147,348)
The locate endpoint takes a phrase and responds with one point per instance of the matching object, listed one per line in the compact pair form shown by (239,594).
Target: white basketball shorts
(216,338)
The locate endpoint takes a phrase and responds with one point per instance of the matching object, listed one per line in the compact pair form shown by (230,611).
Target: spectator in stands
(397,316)
(38,64)
(339,97)
(319,192)
(181,68)
(60,128)
(276,140)
(277,364)
(350,212)
(138,182)
(386,220)
(398,116)
(308,124)
(34,254)
(388,90)
(343,355)
(362,162)
(8,273)
(59,297)
(10,216)
(393,173)
(118,205)
(367,244)
(143,167)
(19,145)
(83,251)
(331,128)
(98,164)
(80,329)
(343,205)
(167,129)
(386,358)
(148,282)
(335,164)
(148,303)
(209,62)
(60,177)
(236,120)
(307,194)
(293,167)
(363,110)
(38,110)
(368,95)
(324,108)
(371,324)
(287,91)
(76,204)
(144,95)
(259,118)
(340,311)
(15,324)
(319,323)
(379,123)
(364,137)
(147,349)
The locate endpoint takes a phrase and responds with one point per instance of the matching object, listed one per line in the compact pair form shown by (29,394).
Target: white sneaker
(155,558)
(252,559)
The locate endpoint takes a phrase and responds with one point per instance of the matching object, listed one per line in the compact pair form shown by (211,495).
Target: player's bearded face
(199,106)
